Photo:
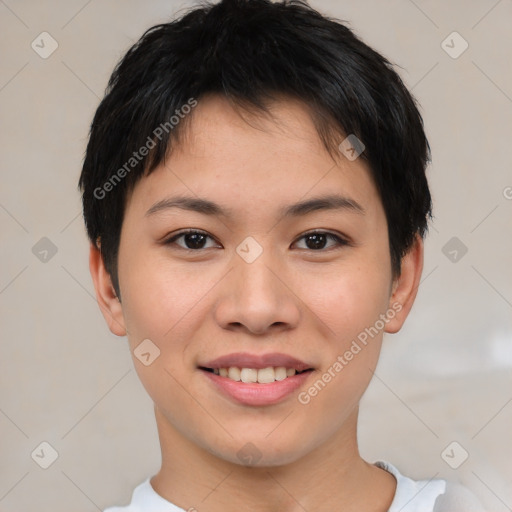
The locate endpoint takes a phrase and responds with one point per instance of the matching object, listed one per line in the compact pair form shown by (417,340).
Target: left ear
(405,287)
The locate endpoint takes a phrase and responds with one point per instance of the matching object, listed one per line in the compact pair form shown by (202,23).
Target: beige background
(64,379)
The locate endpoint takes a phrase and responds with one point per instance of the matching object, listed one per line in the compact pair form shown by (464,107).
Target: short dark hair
(253,52)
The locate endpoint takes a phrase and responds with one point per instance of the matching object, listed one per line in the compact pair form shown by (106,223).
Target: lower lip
(258,394)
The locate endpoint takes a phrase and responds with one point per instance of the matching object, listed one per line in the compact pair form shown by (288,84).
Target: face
(256,283)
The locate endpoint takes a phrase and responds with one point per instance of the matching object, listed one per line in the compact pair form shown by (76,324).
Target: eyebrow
(206,207)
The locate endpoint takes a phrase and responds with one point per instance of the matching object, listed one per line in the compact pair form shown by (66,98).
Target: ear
(405,287)
(105,294)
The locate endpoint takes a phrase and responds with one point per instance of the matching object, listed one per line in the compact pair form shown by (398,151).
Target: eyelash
(338,239)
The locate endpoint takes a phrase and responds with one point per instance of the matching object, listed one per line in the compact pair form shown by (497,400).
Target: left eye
(317,239)
(195,240)
(192,237)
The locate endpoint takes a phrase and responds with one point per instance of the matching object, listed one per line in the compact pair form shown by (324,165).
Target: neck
(332,474)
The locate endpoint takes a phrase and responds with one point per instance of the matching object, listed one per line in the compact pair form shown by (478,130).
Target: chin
(259,452)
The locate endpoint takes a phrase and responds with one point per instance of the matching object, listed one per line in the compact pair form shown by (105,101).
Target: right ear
(106,297)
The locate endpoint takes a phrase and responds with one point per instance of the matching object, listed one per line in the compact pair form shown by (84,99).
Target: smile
(254,375)
(256,387)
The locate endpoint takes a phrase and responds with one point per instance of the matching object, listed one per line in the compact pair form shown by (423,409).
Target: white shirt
(410,496)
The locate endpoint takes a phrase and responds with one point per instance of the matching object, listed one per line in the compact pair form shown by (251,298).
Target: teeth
(251,375)
(266,375)
(248,375)
(233,373)
(281,373)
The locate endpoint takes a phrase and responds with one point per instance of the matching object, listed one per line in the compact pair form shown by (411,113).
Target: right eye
(193,239)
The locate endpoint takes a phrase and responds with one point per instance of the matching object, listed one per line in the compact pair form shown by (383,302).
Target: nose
(258,297)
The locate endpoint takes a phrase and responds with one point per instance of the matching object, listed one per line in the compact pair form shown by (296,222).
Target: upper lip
(256,361)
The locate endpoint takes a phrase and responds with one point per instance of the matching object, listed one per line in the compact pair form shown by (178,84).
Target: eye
(193,239)
(316,240)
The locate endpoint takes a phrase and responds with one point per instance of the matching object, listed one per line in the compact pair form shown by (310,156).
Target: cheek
(348,300)
(158,297)
(349,304)
(159,305)
(162,303)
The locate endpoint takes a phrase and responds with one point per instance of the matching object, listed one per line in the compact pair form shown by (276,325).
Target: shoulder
(127,508)
(434,495)
(146,499)
(138,497)
(457,498)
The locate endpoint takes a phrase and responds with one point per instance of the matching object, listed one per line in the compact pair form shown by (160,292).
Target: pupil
(314,241)
(318,241)
(194,243)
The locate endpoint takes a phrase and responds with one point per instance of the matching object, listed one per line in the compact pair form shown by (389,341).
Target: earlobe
(406,286)
(106,297)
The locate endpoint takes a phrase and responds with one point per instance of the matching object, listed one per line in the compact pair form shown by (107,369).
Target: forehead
(241,158)
(285,126)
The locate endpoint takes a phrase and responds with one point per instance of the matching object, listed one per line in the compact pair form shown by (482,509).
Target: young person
(254,192)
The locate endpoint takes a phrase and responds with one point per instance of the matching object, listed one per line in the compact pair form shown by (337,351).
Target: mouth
(256,380)
(254,375)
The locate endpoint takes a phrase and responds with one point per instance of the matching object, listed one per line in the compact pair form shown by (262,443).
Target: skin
(306,302)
